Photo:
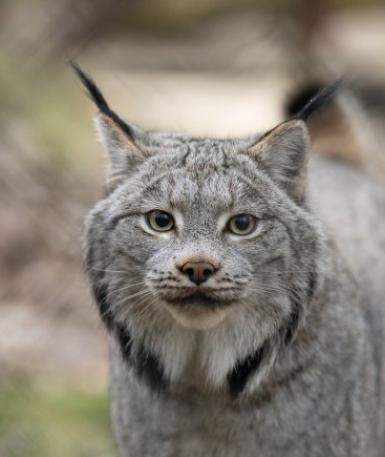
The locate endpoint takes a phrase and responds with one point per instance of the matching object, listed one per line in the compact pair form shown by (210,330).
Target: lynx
(242,282)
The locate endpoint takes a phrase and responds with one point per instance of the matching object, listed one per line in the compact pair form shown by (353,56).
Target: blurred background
(217,67)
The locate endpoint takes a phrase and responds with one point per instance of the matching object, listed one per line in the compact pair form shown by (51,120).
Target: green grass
(53,422)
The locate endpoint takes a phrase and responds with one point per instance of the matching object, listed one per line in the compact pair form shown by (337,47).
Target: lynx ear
(124,152)
(282,154)
(122,142)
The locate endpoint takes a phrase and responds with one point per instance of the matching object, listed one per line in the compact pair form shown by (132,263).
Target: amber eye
(160,220)
(242,224)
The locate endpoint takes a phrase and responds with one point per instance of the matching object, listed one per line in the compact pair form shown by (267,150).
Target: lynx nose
(199,271)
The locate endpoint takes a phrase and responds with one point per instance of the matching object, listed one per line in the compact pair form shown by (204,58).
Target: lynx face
(199,236)
(198,240)
(202,248)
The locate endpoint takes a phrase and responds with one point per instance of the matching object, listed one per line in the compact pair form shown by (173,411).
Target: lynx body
(243,289)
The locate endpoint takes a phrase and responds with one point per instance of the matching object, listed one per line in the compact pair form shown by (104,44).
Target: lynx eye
(242,224)
(160,220)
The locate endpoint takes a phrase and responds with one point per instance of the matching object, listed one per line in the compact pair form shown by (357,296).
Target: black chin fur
(238,377)
(149,368)
(100,295)
(146,365)
(288,331)
(241,373)
(99,289)
(125,342)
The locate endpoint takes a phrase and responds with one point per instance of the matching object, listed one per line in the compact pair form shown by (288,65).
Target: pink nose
(199,271)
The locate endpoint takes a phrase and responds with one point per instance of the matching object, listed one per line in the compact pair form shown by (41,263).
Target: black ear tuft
(298,98)
(97,97)
(92,89)
(310,99)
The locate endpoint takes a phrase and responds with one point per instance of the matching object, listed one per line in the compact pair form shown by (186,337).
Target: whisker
(136,284)
(287,271)
(126,299)
(107,270)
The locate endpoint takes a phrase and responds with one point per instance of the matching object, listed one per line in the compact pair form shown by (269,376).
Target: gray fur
(295,366)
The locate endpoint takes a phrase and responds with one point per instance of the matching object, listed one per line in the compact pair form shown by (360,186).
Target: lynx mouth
(199,299)
(198,311)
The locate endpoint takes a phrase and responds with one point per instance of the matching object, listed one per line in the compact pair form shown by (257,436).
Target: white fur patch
(199,320)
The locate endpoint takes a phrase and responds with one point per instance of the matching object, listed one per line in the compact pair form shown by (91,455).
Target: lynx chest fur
(243,289)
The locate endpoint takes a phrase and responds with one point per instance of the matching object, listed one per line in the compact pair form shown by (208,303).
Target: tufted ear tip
(121,141)
(99,100)
(312,99)
(92,89)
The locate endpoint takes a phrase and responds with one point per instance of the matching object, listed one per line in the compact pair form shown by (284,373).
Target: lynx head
(202,249)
